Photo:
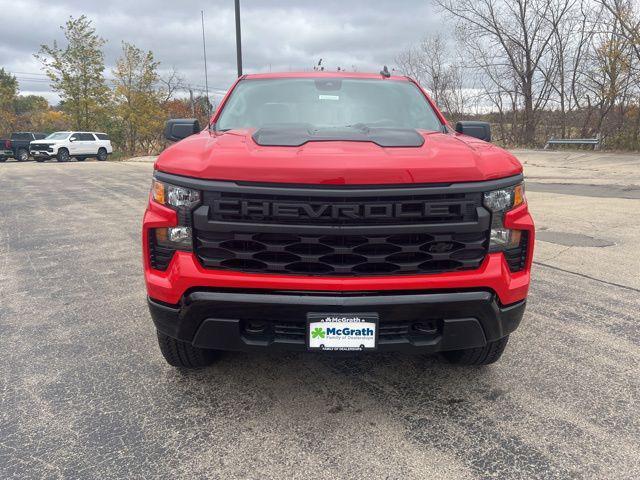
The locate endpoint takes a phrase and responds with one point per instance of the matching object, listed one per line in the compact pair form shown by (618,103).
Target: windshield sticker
(329,97)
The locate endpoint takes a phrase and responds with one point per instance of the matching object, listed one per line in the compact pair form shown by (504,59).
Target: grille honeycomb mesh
(340,254)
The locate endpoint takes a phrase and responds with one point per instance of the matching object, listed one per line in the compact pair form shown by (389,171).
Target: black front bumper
(415,322)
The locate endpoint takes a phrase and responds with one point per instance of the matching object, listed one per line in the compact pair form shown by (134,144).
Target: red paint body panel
(444,157)
(185,272)
(234,156)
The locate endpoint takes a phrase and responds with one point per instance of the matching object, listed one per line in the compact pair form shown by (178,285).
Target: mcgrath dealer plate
(342,331)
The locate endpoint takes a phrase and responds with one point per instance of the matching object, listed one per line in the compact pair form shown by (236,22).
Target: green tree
(30,110)
(26,104)
(48,121)
(138,100)
(8,94)
(77,73)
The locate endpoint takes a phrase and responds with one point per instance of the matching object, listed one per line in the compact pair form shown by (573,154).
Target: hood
(234,155)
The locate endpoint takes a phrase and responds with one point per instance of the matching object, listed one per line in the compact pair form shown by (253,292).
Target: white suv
(64,145)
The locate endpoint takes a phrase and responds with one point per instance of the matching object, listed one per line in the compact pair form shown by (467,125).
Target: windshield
(327,103)
(58,136)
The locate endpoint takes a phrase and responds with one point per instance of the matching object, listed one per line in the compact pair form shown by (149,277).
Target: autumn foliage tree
(33,113)
(131,107)
(8,93)
(138,99)
(76,71)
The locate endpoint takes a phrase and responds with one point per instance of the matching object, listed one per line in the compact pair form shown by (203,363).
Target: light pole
(206,74)
(238,39)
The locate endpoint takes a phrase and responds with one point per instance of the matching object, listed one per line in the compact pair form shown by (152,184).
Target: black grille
(314,254)
(341,232)
(40,146)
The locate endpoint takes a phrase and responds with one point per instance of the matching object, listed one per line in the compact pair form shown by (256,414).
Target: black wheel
(63,155)
(490,353)
(81,159)
(184,355)
(22,155)
(102,154)
(3,159)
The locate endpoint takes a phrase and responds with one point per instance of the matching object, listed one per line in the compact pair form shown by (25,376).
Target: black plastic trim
(296,136)
(480,130)
(202,222)
(341,190)
(215,319)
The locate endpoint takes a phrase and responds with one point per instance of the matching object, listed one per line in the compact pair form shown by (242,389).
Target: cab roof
(325,74)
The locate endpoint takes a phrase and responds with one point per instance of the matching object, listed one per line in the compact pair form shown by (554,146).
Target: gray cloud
(277,34)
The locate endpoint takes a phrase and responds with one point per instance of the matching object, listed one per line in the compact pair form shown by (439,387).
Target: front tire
(102,155)
(22,155)
(184,355)
(63,155)
(3,159)
(486,355)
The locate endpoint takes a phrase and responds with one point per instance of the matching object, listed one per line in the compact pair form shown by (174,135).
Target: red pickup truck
(335,212)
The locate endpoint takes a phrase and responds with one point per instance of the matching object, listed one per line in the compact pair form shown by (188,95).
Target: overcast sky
(276,34)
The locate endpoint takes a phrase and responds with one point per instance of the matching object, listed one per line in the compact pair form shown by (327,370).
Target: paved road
(84,392)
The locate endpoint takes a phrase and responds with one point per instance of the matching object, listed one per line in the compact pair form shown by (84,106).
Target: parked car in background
(65,145)
(18,145)
(5,150)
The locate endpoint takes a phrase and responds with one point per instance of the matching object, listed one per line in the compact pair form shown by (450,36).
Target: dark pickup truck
(18,145)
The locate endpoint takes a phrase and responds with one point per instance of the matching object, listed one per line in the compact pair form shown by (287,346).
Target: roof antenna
(385,72)
(206,76)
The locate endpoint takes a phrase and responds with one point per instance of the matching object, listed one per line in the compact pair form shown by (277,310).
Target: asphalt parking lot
(84,392)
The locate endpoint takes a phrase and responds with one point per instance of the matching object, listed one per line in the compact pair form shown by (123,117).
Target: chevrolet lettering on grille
(336,211)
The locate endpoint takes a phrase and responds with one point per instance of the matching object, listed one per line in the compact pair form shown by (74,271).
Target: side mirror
(179,128)
(481,130)
(72,139)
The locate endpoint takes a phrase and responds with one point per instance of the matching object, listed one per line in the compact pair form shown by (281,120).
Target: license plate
(342,332)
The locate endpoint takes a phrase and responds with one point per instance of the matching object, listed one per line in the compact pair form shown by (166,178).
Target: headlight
(177,238)
(165,241)
(499,202)
(174,196)
(504,199)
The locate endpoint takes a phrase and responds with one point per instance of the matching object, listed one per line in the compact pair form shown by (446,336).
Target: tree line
(537,68)
(534,68)
(131,106)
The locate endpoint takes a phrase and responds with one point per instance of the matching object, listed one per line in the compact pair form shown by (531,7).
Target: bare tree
(438,70)
(570,45)
(625,23)
(627,15)
(609,78)
(516,34)
(170,83)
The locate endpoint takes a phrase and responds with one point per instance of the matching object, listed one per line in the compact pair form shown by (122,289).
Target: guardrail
(574,141)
